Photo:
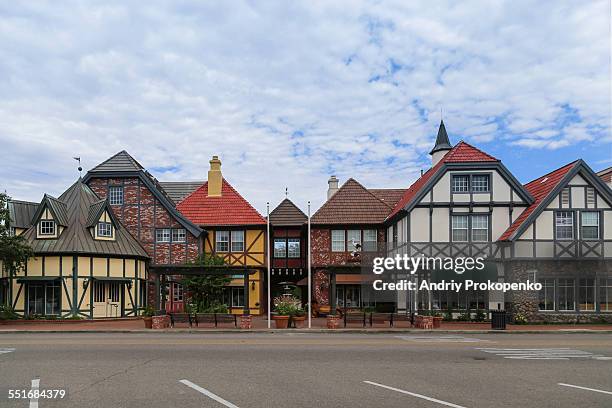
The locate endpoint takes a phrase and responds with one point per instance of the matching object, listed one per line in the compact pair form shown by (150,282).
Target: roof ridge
(462,142)
(223,180)
(551,172)
(124,152)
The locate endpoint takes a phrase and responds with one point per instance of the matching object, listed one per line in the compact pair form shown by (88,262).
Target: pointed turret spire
(442,142)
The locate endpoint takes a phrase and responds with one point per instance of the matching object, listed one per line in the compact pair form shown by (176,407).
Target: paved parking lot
(306,370)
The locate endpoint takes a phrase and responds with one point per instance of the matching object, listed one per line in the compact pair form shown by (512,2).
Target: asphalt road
(308,370)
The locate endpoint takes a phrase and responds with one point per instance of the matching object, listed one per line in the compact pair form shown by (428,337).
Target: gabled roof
(123,164)
(76,238)
(21,213)
(57,207)
(121,161)
(352,204)
(228,209)
(442,142)
(287,214)
(95,212)
(389,196)
(178,190)
(544,189)
(461,153)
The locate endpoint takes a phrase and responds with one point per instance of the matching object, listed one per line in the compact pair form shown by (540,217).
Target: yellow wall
(254,245)
(255,294)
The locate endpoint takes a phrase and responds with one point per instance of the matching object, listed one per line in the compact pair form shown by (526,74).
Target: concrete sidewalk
(260,324)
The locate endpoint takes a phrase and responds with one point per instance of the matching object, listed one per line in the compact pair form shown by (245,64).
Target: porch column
(163,293)
(246,310)
(332,294)
(157,293)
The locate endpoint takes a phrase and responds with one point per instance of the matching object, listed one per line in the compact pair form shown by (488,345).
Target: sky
(289,93)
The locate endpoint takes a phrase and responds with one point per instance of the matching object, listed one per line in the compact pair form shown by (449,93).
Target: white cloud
(289,93)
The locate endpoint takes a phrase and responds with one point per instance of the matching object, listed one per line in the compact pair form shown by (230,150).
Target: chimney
(333,186)
(215,178)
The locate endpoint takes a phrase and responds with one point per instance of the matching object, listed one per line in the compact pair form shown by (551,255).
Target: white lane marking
(542,354)
(442,339)
(208,393)
(6,350)
(425,397)
(35,388)
(585,388)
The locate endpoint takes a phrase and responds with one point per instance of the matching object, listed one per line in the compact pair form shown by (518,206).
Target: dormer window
(46,227)
(105,230)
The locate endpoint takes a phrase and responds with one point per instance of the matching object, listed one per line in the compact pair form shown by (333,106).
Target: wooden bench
(381,318)
(180,318)
(355,317)
(216,318)
(401,317)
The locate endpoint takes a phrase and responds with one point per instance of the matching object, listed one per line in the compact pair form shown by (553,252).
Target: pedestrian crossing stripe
(441,339)
(543,354)
(6,350)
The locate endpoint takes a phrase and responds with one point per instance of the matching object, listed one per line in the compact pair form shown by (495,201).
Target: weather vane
(286,192)
(79,168)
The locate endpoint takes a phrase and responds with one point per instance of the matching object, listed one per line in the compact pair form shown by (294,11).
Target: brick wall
(321,248)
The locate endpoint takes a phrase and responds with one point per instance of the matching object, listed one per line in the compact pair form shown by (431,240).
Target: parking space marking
(443,339)
(35,388)
(6,350)
(425,397)
(208,393)
(585,388)
(542,353)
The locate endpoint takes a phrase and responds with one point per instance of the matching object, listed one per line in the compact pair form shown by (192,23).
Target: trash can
(498,319)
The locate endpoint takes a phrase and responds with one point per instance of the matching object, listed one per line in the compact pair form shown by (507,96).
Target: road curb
(306,331)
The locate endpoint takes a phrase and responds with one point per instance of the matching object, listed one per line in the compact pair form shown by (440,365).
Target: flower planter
(281,322)
(148,322)
(437,322)
(298,321)
(333,322)
(246,322)
(160,322)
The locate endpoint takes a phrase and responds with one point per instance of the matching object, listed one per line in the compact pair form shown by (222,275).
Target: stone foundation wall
(526,303)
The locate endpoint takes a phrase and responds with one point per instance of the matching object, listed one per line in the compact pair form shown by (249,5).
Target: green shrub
(465,316)
(480,316)
(448,315)
(8,313)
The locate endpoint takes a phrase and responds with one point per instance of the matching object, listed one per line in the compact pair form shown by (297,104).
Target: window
(237,241)
(547,295)
(105,229)
(565,196)
(293,246)
(280,248)
(337,244)
(369,240)
(43,299)
(46,227)
(480,228)
(115,195)
(586,294)
(590,225)
(481,183)
(564,223)
(233,296)
(353,238)
(177,292)
(605,295)
(461,184)
(142,288)
(590,196)
(162,235)
(566,295)
(179,235)
(460,228)
(222,241)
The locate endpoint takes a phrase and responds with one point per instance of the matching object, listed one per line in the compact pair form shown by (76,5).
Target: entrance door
(175,302)
(107,299)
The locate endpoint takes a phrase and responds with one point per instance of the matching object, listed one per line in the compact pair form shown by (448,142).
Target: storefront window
(586,293)
(44,299)
(605,295)
(566,295)
(547,295)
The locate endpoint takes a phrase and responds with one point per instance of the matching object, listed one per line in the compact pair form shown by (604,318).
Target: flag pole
(309,275)
(268,259)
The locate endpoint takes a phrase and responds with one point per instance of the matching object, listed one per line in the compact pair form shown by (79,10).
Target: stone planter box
(246,322)
(424,322)
(333,322)
(161,322)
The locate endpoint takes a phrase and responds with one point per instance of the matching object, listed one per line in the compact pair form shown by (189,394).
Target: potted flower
(147,317)
(298,317)
(284,307)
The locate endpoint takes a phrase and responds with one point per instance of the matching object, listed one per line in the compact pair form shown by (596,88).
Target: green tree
(205,291)
(14,250)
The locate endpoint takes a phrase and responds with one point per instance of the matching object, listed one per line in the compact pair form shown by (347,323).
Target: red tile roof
(539,188)
(229,209)
(352,204)
(461,153)
(389,196)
